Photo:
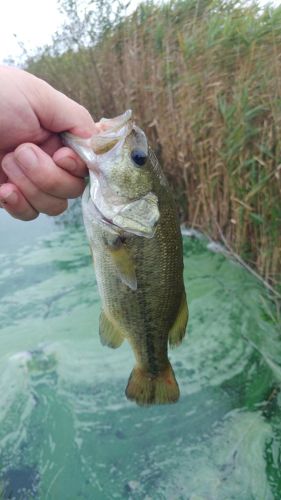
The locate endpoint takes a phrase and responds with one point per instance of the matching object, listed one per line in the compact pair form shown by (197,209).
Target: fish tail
(148,389)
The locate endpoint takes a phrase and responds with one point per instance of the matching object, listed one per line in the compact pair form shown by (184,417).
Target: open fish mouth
(112,130)
(111,125)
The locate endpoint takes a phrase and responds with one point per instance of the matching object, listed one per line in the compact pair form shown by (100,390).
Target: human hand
(37,173)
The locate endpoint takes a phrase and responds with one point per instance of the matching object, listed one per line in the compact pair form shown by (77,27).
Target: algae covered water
(66,428)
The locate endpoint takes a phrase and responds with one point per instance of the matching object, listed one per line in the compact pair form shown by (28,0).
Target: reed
(203,80)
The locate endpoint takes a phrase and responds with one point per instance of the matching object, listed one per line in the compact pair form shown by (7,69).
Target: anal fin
(110,335)
(177,332)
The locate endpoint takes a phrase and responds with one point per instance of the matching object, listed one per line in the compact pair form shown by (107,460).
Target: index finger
(42,171)
(67,159)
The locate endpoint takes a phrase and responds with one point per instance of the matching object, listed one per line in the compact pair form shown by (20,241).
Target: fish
(134,234)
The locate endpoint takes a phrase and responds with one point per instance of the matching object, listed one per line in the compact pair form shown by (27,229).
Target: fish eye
(139,157)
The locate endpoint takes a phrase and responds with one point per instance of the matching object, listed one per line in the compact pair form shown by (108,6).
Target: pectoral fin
(124,264)
(110,335)
(177,332)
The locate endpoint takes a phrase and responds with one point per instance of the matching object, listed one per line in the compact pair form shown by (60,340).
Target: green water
(66,428)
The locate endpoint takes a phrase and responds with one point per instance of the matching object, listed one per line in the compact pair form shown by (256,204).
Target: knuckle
(29,216)
(24,215)
(50,184)
(56,208)
(79,188)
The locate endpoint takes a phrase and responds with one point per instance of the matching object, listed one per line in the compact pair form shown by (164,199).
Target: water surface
(66,428)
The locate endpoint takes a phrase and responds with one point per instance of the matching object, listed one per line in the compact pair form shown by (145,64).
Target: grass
(203,79)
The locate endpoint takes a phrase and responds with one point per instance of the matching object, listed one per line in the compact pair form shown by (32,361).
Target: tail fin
(147,389)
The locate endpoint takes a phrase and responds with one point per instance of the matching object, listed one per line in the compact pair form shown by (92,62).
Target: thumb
(57,112)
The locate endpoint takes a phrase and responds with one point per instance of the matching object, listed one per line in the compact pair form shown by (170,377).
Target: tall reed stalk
(203,79)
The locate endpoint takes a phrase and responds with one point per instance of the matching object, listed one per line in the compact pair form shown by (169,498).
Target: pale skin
(37,173)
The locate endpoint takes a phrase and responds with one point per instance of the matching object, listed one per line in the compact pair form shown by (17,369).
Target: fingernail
(26,157)
(11,168)
(10,198)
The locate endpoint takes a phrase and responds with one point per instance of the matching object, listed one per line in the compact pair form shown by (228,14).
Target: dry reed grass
(203,80)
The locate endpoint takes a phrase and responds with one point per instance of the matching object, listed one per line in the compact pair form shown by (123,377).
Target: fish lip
(112,131)
(116,123)
(93,149)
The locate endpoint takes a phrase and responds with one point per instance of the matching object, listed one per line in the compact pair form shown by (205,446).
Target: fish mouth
(116,123)
(112,131)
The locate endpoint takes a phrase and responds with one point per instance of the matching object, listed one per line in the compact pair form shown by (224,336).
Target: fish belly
(145,315)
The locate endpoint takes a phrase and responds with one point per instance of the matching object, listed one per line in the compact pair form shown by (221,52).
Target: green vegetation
(203,78)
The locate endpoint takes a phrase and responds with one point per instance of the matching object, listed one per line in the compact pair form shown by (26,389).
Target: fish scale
(139,263)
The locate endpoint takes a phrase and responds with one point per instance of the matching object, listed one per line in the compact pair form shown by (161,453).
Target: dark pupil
(139,157)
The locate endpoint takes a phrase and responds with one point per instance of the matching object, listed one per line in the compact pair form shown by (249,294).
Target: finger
(51,144)
(57,112)
(15,204)
(64,157)
(39,200)
(67,159)
(3,177)
(45,174)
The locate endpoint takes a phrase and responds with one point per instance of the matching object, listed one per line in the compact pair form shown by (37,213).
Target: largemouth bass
(135,239)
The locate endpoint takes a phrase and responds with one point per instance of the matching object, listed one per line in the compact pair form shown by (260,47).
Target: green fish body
(137,253)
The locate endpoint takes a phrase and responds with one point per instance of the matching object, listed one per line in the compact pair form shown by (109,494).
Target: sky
(33,22)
